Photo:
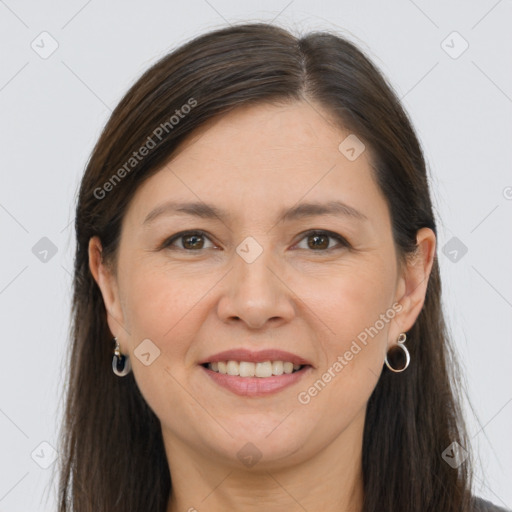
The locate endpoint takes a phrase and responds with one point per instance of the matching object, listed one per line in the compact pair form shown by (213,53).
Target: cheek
(359,312)
(160,307)
(159,303)
(356,301)
(364,298)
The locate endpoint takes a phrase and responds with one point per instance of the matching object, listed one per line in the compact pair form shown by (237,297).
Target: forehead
(292,126)
(259,157)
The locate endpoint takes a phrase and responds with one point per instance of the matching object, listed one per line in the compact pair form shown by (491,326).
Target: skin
(312,302)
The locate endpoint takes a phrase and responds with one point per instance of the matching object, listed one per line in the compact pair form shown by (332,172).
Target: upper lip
(242,354)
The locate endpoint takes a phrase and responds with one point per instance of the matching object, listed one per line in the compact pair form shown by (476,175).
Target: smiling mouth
(250,369)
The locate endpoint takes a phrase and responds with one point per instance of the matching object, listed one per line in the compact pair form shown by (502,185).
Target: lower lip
(256,386)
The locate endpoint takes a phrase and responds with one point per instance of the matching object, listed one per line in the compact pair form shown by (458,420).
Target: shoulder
(481,505)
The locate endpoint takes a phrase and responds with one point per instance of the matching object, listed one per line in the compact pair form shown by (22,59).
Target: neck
(331,480)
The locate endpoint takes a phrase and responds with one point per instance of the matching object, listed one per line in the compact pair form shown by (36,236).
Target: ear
(107,282)
(412,284)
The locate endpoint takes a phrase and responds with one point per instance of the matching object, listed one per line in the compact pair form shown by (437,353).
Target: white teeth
(263,369)
(233,368)
(248,369)
(277,368)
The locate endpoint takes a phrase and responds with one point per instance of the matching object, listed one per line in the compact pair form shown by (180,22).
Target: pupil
(194,239)
(316,238)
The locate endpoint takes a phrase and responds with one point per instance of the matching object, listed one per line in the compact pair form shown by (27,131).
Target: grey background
(52,112)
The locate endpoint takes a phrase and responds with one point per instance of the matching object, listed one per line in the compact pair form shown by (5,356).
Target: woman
(257,319)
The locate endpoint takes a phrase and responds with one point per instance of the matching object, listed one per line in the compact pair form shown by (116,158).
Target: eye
(190,241)
(193,241)
(319,240)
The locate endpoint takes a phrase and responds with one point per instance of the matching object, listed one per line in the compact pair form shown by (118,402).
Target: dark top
(482,505)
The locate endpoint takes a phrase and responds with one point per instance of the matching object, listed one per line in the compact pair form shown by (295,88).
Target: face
(318,294)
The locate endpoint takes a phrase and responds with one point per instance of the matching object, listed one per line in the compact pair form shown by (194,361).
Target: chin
(261,442)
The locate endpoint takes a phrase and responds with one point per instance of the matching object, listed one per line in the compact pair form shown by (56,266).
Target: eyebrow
(208,211)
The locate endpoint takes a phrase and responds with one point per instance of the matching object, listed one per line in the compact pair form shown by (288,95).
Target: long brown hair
(113,457)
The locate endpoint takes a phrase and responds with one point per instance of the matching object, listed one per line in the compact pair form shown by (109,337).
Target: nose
(256,293)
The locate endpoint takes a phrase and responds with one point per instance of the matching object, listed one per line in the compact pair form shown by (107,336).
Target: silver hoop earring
(399,344)
(121,365)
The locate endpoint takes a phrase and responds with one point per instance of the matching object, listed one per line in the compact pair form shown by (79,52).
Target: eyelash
(168,242)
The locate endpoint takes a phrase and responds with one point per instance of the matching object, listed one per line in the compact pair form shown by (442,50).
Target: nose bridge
(255,293)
